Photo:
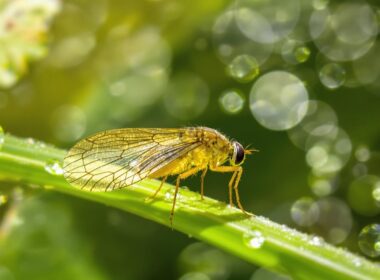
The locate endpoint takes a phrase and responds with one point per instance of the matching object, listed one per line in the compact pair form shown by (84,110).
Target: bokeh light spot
(320,121)
(344,32)
(332,75)
(229,41)
(3,199)
(362,154)
(304,211)
(232,101)
(201,258)
(323,185)
(267,21)
(376,192)
(360,195)
(329,153)
(68,123)
(277,100)
(335,220)
(187,96)
(6,274)
(195,276)
(263,274)
(72,51)
(295,52)
(244,68)
(2,137)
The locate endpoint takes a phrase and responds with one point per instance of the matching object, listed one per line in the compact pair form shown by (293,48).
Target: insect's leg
(239,173)
(179,178)
(238,170)
(230,185)
(158,190)
(202,181)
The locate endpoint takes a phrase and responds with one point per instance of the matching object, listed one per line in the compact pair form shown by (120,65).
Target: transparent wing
(118,158)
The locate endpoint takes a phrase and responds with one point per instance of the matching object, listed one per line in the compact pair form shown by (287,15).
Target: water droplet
(277,100)
(54,167)
(1,137)
(30,141)
(232,101)
(369,240)
(254,239)
(316,241)
(295,52)
(357,262)
(332,75)
(304,211)
(244,68)
(169,195)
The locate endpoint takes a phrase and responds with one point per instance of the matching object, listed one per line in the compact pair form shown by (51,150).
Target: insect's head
(238,153)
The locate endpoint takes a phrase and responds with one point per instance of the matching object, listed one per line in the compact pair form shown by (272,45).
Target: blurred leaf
(23,28)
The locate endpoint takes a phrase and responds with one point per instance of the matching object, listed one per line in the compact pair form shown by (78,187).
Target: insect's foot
(171,221)
(245,212)
(148,199)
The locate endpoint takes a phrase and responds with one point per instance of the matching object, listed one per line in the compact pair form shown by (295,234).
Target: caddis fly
(118,158)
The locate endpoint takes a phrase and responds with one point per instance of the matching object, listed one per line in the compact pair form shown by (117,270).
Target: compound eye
(238,156)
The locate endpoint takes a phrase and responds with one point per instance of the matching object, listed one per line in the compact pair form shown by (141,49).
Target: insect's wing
(117,158)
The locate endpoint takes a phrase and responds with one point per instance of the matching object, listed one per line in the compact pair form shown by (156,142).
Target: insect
(118,158)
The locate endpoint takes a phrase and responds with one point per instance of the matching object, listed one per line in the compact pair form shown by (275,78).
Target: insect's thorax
(213,151)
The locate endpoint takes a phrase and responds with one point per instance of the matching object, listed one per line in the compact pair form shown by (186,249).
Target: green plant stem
(255,239)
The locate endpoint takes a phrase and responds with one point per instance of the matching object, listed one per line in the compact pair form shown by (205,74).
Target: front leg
(237,172)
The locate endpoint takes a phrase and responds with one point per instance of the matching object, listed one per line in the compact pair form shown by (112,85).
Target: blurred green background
(298,80)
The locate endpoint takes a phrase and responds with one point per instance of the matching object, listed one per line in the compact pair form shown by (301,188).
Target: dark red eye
(238,156)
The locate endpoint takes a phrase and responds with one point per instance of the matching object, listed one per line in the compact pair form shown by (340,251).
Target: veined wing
(118,158)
